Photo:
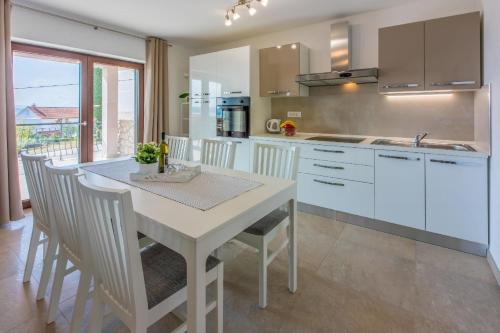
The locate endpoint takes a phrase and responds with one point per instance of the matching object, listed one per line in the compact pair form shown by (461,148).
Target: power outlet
(294,114)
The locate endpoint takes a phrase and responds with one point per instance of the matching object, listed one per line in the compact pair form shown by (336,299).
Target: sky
(31,72)
(33,76)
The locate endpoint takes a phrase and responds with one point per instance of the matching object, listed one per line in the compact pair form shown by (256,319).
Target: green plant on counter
(184,96)
(147,153)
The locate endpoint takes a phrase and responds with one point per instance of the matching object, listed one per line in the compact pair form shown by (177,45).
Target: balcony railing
(59,140)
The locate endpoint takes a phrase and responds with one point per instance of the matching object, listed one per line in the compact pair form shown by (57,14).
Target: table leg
(196,290)
(292,243)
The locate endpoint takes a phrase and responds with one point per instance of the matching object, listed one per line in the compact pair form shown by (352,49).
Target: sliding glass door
(116,117)
(74,107)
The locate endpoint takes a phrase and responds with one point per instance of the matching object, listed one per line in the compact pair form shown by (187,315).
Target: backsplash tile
(361,110)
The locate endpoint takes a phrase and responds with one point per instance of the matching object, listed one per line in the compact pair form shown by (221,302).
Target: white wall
(364,36)
(492,75)
(178,81)
(42,29)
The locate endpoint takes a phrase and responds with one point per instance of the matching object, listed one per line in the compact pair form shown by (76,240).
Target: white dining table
(196,233)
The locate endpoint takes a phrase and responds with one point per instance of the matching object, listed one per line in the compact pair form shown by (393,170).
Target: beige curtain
(10,193)
(156,92)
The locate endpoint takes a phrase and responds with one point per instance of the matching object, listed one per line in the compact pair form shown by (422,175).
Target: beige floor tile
(390,278)
(467,303)
(453,261)
(385,244)
(20,311)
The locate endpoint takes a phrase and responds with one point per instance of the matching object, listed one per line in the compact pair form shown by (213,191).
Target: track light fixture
(232,13)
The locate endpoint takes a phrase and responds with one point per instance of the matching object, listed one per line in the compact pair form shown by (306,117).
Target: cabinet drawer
(361,173)
(337,154)
(337,194)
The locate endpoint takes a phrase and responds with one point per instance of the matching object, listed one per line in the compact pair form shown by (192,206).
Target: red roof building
(54,112)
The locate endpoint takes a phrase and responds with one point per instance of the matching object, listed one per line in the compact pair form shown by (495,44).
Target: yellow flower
(288,123)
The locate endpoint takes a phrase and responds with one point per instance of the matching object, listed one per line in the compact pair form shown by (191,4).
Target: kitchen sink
(446,146)
(346,139)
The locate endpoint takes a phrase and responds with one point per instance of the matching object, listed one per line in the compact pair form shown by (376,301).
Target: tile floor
(351,279)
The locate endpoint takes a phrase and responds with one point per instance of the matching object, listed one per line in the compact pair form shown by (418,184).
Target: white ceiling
(196,22)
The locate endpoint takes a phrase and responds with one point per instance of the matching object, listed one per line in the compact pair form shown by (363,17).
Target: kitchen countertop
(367,143)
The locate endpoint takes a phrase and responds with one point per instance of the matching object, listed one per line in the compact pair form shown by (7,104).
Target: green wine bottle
(163,160)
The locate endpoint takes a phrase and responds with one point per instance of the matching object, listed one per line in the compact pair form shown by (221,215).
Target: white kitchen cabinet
(233,72)
(203,76)
(457,197)
(400,188)
(338,194)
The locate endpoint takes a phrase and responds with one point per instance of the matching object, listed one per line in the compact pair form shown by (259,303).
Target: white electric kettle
(273,125)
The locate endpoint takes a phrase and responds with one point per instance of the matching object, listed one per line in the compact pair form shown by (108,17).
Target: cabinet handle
(405,158)
(452,83)
(206,102)
(236,92)
(206,94)
(328,167)
(196,102)
(328,183)
(329,151)
(401,85)
(272,92)
(444,162)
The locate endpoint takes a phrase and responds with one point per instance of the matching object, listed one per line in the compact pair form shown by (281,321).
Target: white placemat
(203,192)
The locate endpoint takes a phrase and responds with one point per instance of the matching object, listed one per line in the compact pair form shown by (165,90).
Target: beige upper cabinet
(453,52)
(441,54)
(401,58)
(279,67)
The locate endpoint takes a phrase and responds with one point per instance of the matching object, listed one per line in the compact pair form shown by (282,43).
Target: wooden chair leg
(81,299)
(97,314)
(55,296)
(48,262)
(220,298)
(30,261)
(262,273)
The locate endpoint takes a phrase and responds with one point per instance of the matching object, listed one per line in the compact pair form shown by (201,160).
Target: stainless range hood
(340,54)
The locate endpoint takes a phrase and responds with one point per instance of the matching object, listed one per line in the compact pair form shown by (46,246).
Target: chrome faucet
(419,138)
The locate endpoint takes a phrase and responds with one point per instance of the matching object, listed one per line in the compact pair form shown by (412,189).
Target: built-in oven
(233,117)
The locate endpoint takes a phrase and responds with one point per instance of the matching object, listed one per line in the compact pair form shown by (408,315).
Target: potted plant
(289,127)
(147,156)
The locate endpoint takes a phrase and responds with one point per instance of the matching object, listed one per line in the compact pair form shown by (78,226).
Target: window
(75,108)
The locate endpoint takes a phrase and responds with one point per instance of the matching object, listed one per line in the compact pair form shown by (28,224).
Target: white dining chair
(63,194)
(218,153)
(275,161)
(178,147)
(139,287)
(36,181)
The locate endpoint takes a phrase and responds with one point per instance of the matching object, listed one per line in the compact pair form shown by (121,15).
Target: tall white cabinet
(218,74)
(233,72)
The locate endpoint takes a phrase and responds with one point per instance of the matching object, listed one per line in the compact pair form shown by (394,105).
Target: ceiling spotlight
(232,12)
(294,46)
(251,10)
(235,14)
(228,21)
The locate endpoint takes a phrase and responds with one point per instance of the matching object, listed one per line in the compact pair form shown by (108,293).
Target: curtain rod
(95,26)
